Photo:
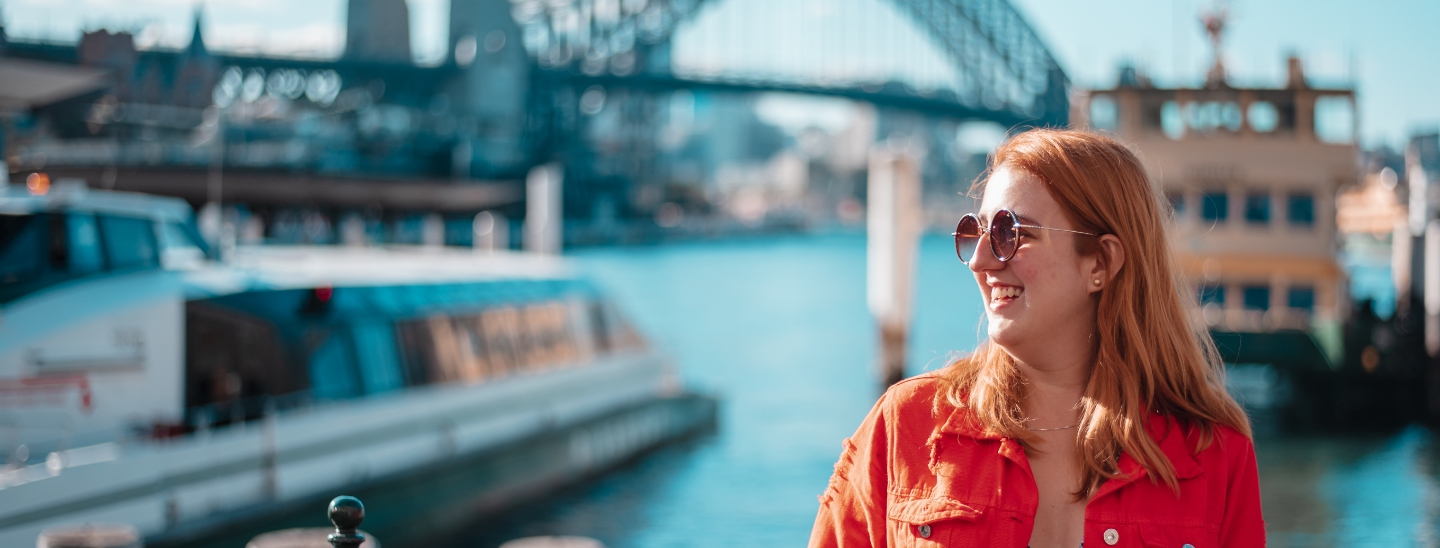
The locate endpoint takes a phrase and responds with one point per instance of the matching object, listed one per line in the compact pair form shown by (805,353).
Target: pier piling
(893,231)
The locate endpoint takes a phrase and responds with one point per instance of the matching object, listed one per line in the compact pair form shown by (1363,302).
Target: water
(779,329)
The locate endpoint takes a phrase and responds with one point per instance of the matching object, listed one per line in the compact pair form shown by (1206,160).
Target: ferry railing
(22,436)
(239,411)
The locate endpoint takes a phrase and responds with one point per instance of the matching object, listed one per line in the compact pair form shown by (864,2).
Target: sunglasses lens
(967,237)
(1003,236)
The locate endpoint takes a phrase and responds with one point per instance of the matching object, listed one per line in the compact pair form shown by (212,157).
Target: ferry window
(1212,294)
(84,243)
(1301,209)
(1151,114)
(613,332)
(1177,202)
(1334,119)
(1285,116)
(1257,208)
(332,369)
(1103,114)
(422,355)
(22,255)
(470,346)
(1172,120)
(503,338)
(1255,297)
(1215,206)
(129,242)
(1211,116)
(1263,117)
(181,246)
(376,356)
(1302,298)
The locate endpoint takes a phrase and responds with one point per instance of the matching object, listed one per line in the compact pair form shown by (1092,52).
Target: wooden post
(893,226)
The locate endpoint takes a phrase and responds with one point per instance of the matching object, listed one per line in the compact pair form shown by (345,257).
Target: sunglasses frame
(986,230)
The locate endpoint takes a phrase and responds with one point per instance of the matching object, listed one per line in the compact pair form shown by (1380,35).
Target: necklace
(1051,429)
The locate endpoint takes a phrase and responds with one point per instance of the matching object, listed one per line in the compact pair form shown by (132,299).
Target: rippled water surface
(779,329)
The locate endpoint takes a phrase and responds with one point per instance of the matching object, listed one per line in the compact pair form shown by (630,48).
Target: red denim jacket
(920,472)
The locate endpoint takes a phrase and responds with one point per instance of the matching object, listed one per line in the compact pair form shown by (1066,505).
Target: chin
(1003,331)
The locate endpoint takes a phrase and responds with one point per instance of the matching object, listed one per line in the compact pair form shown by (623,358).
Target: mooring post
(893,230)
(544,223)
(346,513)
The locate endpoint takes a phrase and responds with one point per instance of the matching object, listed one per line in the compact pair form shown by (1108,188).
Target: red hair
(1152,355)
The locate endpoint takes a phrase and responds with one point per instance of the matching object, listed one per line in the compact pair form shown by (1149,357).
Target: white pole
(542,209)
(893,225)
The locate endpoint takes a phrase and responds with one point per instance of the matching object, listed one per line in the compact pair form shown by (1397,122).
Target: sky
(1386,47)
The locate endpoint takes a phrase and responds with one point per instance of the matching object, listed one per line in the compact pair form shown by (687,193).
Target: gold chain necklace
(1051,429)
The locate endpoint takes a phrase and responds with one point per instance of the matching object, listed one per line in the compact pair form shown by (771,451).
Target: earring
(1097,282)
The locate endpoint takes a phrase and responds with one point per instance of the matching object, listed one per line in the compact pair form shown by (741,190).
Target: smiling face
(1044,293)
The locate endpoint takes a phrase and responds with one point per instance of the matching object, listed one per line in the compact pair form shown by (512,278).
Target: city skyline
(1381,47)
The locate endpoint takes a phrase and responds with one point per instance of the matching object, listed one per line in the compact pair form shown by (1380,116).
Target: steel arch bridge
(1007,75)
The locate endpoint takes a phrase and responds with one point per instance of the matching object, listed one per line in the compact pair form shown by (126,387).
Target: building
(1251,175)
(1417,266)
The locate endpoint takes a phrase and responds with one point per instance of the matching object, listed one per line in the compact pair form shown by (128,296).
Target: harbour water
(778,328)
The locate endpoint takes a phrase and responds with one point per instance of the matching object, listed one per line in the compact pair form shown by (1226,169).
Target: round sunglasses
(1004,234)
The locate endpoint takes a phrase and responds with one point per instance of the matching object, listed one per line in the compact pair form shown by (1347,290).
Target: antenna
(1214,23)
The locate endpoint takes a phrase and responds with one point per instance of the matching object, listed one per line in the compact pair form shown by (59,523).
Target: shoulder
(1229,449)
(914,408)
(1229,441)
(928,392)
(1234,444)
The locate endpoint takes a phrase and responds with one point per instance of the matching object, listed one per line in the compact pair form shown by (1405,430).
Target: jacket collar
(1174,441)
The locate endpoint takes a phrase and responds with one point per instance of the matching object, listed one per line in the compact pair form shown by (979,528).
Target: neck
(1054,389)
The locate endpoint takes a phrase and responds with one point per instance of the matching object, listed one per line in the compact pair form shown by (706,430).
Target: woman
(1096,413)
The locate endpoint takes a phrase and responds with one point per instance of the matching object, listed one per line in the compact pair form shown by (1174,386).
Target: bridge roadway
(942,104)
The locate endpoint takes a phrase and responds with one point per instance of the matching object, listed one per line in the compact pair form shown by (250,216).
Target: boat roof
(259,268)
(281,267)
(73,195)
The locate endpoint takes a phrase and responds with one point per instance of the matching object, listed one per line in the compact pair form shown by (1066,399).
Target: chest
(984,493)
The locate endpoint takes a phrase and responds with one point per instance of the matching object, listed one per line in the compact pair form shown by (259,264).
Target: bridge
(1001,70)
(524,82)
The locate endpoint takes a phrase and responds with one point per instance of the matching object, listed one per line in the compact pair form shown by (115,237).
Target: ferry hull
(572,420)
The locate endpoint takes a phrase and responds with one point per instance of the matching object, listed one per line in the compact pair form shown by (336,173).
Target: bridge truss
(1006,73)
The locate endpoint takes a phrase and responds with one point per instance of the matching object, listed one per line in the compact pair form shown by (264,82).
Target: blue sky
(1387,47)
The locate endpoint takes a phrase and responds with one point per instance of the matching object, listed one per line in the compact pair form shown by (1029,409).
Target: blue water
(779,330)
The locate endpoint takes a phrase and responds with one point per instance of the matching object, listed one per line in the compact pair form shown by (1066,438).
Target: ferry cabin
(115,324)
(1251,175)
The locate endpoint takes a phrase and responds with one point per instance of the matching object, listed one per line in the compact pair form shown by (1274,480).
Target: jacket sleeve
(1244,525)
(852,509)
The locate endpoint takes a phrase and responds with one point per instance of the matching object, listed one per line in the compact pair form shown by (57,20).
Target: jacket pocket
(936,521)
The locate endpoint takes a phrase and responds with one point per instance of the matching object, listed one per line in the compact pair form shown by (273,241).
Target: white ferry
(144,382)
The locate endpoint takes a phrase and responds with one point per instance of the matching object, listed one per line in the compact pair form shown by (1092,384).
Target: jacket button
(924,531)
(1112,537)
(1188,546)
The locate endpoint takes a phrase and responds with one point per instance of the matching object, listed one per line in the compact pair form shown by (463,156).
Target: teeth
(1005,292)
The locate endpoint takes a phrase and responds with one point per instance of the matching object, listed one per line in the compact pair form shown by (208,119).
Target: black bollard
(346,513)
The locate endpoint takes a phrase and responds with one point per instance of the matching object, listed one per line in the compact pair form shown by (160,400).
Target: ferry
(146,382)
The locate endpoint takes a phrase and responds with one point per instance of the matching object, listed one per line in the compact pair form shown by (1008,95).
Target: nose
(984,259)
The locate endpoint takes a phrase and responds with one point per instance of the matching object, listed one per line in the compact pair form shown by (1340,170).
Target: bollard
(346,513)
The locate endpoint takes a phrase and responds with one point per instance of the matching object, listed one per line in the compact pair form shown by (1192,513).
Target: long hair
(1153,355)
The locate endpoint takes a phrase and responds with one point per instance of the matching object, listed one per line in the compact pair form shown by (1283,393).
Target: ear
(1110,259)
